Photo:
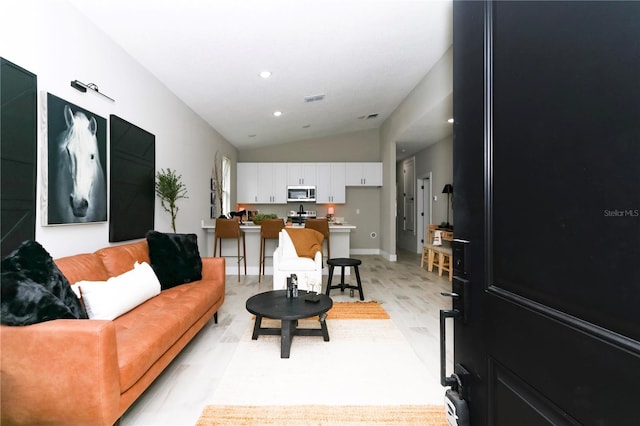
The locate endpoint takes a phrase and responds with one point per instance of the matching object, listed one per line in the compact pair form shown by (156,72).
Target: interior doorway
(424,206)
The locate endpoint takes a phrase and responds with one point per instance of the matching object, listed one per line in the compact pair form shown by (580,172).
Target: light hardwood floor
(409,294)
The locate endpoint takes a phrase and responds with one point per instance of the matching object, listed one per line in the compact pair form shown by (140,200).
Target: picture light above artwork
(82,87)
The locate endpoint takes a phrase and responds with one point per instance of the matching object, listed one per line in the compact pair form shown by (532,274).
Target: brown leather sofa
(88,372)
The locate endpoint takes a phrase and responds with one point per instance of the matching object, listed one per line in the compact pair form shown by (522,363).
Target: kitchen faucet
(301,210)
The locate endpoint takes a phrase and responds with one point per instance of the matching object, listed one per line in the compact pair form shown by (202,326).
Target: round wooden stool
(343,262)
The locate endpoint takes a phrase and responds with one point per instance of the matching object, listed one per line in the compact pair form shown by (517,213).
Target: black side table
(343,262)
(274,304)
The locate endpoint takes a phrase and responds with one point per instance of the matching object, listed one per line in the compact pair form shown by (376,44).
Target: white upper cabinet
(330,183)
(247,183)
(301,174)
(272,183)
(364,174)
(263,183)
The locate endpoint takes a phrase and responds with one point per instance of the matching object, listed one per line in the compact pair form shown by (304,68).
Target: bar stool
(230,228)
(322,226)
(269,230)
(343,262)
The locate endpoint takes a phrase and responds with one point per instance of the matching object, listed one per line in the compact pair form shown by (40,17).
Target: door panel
(546,154)
(574,132)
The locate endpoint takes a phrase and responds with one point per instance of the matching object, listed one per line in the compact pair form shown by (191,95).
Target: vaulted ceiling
(363,56)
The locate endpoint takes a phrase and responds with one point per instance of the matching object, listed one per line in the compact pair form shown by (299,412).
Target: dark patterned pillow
(174,258)
(31,266)
(26,302)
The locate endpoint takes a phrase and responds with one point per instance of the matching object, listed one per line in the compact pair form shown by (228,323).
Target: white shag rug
(365,362)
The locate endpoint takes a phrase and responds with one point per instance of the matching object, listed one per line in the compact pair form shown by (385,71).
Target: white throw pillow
(109,299)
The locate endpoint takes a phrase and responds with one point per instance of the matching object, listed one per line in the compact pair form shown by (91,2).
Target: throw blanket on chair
(306,241)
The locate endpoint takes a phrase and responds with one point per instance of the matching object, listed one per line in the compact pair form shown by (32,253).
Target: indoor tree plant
(169,188)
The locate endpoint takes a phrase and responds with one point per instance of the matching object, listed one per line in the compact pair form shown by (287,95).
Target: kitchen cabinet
(264,183)
(331,184)
(272,183)
(364,174)
(247,183)
(301,174)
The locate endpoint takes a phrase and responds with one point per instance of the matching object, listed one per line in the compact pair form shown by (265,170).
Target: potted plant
(169,188)
(257,219)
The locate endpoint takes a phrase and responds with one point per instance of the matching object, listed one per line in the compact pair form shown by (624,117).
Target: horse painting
(77,183)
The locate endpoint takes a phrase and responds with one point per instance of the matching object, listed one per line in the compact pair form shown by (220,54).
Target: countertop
(250,226)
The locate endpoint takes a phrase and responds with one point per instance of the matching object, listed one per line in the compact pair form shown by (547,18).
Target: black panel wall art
(132,196)
(18,139)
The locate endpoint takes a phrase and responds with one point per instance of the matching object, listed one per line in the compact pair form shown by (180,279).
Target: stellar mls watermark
(621,213)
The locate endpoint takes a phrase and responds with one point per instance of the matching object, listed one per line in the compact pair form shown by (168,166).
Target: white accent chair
(287,262)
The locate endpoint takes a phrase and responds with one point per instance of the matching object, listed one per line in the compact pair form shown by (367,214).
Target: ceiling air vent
(368,116)
(313,98)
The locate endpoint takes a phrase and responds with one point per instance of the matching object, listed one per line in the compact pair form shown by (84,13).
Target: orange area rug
(424,415)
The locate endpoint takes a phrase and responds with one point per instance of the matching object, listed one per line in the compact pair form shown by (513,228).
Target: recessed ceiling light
(450,120)
(265,74)
(277,113)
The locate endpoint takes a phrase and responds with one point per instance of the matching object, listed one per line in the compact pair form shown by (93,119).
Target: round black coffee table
(274,304)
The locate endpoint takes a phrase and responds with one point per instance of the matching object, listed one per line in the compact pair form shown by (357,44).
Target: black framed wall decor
(132,181)
(18,136)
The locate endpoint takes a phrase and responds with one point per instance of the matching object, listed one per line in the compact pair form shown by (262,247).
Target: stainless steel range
(301,216)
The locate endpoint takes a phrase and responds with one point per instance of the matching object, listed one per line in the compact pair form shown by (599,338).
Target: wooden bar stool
(322,226)
(230,229)
(343,263)
(269,230)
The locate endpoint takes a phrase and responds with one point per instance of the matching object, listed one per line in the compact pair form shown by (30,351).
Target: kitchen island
(340,246)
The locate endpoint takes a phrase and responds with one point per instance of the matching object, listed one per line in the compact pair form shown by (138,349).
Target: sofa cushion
(118,259)
(109,299)
(175,258)
(84,266)
(165,318)
(32,267)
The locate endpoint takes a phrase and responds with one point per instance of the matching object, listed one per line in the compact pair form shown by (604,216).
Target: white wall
(436,159)
(432,89)
(58,44)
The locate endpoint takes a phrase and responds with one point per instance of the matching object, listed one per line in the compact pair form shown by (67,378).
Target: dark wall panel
(132,196)
(18,139)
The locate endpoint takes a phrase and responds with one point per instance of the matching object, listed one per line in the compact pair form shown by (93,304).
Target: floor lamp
(448,189)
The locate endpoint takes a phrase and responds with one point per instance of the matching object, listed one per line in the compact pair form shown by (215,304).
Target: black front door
(547,194)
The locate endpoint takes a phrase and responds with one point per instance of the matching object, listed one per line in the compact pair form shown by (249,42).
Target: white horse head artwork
(79,186)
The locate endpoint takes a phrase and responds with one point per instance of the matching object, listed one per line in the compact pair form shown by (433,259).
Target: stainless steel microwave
(301,193)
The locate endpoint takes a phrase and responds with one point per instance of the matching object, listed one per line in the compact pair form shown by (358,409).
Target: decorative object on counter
(330,212)
(258,218)
(241,214)
(448,189)
(169,188)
